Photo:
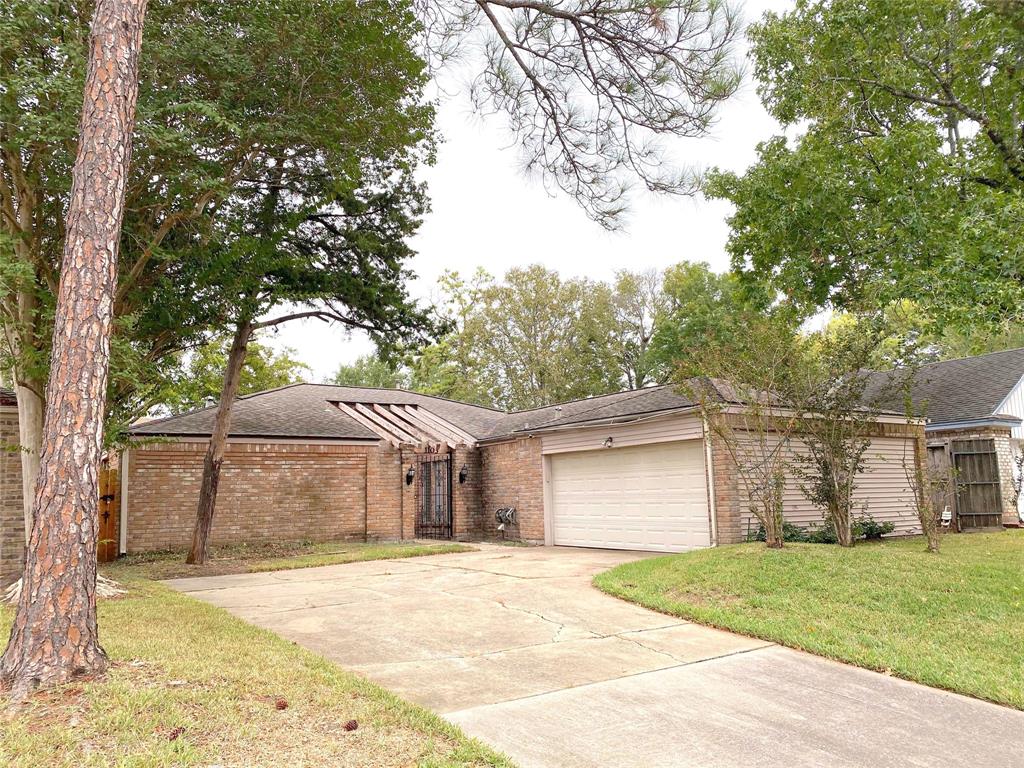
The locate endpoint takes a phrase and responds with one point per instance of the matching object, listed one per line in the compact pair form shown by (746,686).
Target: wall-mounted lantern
(463,474)
(608,442)
(410,474)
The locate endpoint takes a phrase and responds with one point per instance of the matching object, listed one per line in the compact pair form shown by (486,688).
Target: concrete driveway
(516,647)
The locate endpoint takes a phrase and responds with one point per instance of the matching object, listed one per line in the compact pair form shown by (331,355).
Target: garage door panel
(645,497)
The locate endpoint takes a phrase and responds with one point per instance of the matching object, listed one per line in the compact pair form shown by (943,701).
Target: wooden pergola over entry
(406,424)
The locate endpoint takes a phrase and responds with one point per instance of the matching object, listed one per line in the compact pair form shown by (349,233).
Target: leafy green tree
(638,300)
(756,438)
(539,339)
(957,342)
(700,307)
(830,379)
(529,340)
(371,371)
(907,180)
(319,228)
(450,367)
(907,336)
(197,380)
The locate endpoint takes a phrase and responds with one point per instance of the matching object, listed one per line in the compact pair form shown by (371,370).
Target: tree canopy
(526,341)
(591,88)
(371,371)
(230,92)
(699,307)
(907,176)
(197,379)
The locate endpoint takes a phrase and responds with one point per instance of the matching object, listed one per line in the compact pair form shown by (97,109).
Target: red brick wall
(407,513)
(468,510)
(384,482)
(12,516)
(268,491)
(513,476)
(728,499)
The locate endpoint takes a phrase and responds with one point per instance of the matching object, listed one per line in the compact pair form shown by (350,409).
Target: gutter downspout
(710,472)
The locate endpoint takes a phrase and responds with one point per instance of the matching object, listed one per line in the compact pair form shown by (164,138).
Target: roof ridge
(589,399)
(969,357)
(634,393)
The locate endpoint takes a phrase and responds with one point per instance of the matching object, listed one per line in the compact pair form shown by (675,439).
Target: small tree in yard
(830,380)
(1018,477)
(926,482)
(738,391)
(339,261)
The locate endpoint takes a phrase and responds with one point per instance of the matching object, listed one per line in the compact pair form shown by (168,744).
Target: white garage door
(649,497)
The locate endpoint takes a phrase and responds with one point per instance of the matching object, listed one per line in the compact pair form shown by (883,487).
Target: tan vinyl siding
(884,488)
(656,430)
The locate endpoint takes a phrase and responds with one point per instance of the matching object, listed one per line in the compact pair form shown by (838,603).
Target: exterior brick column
(466,501)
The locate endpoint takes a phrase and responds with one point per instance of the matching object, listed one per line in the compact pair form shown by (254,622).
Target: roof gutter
(250,438)
(987,421)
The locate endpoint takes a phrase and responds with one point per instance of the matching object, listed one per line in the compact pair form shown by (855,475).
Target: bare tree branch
(590,86)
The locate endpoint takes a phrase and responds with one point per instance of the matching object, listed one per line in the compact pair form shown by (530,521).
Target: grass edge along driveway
(190,685)
(270,556)
(953,621)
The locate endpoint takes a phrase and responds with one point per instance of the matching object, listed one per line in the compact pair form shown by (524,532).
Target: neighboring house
(975,411)
(631,470)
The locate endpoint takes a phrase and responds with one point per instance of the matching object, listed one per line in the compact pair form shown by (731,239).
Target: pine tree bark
(54,636)
(218,440)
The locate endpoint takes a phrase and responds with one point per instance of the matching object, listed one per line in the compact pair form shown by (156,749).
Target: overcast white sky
(486,213)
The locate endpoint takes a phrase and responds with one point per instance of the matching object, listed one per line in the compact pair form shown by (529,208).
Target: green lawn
(271,556)
(191,685)
(954,621)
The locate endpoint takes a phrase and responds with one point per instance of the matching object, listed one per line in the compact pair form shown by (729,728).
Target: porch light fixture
(608,442)
(410,474)
(463,474)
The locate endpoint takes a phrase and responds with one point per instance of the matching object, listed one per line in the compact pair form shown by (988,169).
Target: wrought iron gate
(434,496)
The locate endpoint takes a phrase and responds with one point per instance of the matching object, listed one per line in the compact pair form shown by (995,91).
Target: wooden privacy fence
(979,502)
(109,513)
(972,489)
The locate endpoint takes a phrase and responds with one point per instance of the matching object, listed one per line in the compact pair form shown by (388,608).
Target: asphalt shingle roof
(616,405)
(307,410)
(958,390)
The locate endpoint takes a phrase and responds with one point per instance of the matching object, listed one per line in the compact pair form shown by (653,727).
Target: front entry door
(434,497)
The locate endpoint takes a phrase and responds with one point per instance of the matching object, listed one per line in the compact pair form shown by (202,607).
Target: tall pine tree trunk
(218,440)
(54,636)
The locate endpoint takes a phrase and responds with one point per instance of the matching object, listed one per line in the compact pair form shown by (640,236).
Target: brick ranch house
(632,470)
